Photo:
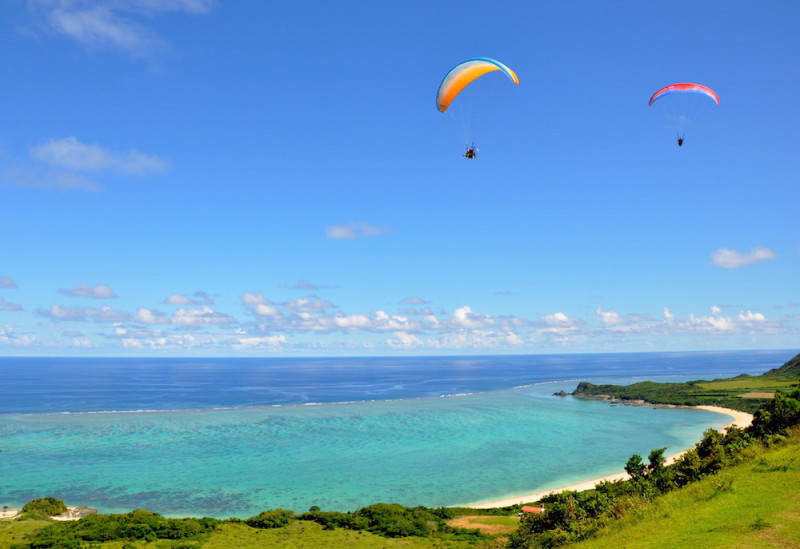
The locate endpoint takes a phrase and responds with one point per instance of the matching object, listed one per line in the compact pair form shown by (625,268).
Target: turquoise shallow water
(434,451)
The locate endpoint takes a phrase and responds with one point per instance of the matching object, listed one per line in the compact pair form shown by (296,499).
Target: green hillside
(745,392)
(754,504)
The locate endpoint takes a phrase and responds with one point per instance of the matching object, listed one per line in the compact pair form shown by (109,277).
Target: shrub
(276,518)
(45,506)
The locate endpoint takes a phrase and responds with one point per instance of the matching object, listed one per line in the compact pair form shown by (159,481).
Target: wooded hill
(745,393)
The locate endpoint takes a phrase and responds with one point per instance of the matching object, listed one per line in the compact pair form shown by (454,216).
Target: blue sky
(200,177)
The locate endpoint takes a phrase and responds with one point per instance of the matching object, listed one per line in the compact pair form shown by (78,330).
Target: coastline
(740,419)
(73,513)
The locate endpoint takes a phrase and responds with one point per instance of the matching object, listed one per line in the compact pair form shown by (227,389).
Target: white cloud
(475,339)
(609,318)
(244,343)
(556,319)
(63,164)
(204,316)
(57,312)
(307,304)
(181,299)
(731,259)
(71,154)
(105,314)
(355,230)
(6,282)
(150,316)
(37,178)
(464,317)
(101,291)
(9,337)
(8,306)
(403,340)
(118,25)
(414,300)
(351,322)
(259,305)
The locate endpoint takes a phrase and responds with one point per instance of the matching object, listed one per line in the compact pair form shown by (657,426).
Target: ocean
(233,437)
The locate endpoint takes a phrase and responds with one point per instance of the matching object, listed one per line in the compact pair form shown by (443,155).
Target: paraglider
(461,76)
(686,101)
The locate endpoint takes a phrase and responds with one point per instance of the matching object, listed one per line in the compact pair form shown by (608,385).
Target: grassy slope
(721,392)
(14,531)
(311,535)
(755,504)
(299,534)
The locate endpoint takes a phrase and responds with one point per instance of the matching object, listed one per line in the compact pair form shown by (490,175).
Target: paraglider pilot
(472,152)
(680,141)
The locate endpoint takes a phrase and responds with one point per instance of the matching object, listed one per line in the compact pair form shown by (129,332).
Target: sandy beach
(73,513)
(740,419)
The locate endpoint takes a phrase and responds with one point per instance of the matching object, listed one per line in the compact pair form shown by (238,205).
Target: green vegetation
(306,534)
(571,517)
(753,504)
(727,393)
(137,525)
(734,489)
(14,533)
(44,507)
(370,526)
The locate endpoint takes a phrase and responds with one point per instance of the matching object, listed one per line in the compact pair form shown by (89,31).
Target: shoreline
(740,419)
(73,513)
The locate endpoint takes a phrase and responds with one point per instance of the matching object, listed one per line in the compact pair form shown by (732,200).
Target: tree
(634,467)
(45,506)
(271,519)
(777,415)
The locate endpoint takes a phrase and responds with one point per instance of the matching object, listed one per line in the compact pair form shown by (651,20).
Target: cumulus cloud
(475,339)
(200,298)
(254,343)
(464,317)
(104,314)
(403,340)
(414,300)
(9,337)
(67,164)
(559,327)
(260,305)
(307,304)
(101,291)
(609,318)
(38,178)
(731,259)
(204,316)
(73,155)
(355,230)
(150,316)
(118,25)
(6,282)
(8,306)
(312,314)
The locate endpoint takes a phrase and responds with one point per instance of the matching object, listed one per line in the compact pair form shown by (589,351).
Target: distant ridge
(727,393)
(790,369)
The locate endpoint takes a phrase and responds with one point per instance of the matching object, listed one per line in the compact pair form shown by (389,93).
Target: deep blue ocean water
(233,437)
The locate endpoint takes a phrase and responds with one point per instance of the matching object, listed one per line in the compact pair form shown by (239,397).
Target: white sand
(73,513)
(740,419)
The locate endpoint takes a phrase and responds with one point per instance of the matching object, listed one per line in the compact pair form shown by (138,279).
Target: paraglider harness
(472,152)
